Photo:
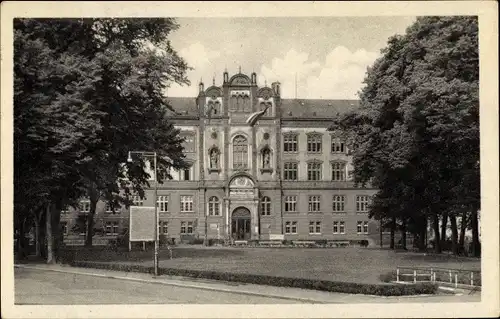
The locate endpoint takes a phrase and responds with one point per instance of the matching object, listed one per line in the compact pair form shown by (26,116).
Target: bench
(271,243)
(240,242)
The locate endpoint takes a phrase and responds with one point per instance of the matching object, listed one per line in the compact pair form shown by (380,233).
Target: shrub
(212,242)
(321,242)
(323,285)
(287,242)
(196,241)
(363,243)
(388,277)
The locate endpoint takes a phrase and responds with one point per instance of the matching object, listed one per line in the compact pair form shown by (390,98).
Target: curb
(250,293)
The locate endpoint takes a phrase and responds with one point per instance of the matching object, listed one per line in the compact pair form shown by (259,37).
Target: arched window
(265,206)
(213,206)
(240,152)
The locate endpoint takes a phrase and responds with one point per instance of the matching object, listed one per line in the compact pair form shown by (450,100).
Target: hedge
(314,284)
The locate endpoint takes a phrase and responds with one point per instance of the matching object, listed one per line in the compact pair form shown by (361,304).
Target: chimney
(276,88)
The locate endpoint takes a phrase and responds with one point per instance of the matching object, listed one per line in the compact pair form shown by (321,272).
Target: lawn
(350,264)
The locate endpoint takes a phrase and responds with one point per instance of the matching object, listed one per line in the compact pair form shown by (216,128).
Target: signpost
(142,224)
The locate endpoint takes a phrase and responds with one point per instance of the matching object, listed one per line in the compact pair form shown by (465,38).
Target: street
(53,288)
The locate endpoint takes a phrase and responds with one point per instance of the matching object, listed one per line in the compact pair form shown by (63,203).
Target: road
(53,288)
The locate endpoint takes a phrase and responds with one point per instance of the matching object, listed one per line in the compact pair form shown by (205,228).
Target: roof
(184,105)
(310,108)
(290,108)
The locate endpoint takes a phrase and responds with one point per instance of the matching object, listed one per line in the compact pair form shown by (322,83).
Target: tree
(416,134)
(86,91)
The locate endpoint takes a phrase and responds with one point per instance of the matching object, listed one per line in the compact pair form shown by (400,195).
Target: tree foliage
(87,91)
(416,134)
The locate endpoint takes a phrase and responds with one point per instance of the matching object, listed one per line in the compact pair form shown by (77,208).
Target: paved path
(55,288)
(43,284)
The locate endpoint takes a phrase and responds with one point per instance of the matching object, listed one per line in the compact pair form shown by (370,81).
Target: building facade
(286,174)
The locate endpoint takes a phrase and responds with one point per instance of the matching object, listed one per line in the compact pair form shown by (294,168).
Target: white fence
(457,278)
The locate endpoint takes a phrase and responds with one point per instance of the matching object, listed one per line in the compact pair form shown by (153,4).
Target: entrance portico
(242,217)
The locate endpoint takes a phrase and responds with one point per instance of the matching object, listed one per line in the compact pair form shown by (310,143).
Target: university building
(284,173)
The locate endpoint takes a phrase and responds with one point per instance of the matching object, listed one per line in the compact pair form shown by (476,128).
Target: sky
(316,58)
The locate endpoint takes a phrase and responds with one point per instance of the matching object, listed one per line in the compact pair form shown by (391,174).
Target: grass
(355,265)
(315,284)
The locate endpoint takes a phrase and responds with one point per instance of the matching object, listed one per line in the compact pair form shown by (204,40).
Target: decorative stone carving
(266,158)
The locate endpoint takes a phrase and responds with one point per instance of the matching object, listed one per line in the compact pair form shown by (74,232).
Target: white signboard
(276,237)
(214,226)
(142,223)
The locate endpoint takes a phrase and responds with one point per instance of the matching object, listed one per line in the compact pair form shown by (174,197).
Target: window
(338,171)
(290,171)
(359,227)
(186,227)
(291,227)
(186,203)
(314,227)
(338,146)
(162,203)
(290,143)
(335,227)
(111,228)
(314,171)
(362,203)
(85,206)
(188,144)
(240,152)
(314,203)
(365,227)
(314,143)
(338,203)
(64,210)
(213,206)
(163,227)
(64,228)
(185,174)
(109,209)
(137,200)
(265,206)
(342,227)
(291,203)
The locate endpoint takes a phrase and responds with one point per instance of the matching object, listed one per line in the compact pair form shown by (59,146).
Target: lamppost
(156,233)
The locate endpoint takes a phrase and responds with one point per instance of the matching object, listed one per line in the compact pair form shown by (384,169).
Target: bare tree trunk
(90,222)
(444,225)
(50,236)
(393,229)
(437,238)
(463,229)
(403,233)
(454,234)
(476,248)
(422,244)
(38,252)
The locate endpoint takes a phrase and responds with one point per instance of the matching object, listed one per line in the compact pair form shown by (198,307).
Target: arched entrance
(240,224)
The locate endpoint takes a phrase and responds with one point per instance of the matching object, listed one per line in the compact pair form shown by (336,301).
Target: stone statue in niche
(266,158)
(214,158)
